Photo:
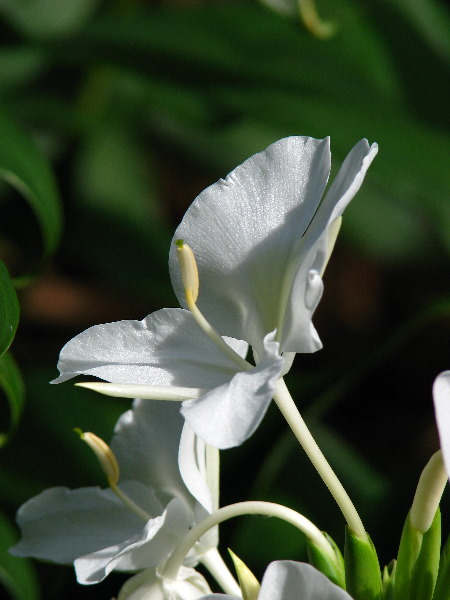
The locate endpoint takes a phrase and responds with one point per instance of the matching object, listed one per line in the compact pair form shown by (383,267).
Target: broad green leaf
(13,389)
(23,166)
(9,310)
(17,575)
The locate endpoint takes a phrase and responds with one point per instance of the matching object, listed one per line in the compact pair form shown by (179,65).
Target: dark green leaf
(16,574)
(12,386)
(9,310)
(23,166)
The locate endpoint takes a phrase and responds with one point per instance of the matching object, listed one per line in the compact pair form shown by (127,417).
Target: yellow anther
(189,272)
(105,456)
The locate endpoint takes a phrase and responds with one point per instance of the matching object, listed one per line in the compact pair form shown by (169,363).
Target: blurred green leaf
(16,574)
(23,166)
(48,18)
(9,310)
(20,65)
(13,388)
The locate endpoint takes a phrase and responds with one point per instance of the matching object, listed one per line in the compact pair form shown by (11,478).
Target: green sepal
(388,579)
(333,569)
(247,581)
(362,569)
(442,589)
(418,561)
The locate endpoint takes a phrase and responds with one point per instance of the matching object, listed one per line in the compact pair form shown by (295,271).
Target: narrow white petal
(167,348)
(441,396)
(144,392)
(192,463)
(242,231)
(289,580)
(229,414)
(312,252)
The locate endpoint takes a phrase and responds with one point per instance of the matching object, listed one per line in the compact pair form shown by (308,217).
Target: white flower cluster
(258,243)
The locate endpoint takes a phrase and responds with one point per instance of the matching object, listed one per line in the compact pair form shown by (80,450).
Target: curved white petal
(148,548)
(242,231)
(310,256)
(441,396)
(192,464)
(165,348)
(199,468)
(289,580)
(146,441)
(61,524)
(229,414)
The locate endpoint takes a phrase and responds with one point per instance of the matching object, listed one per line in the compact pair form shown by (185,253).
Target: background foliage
(113,117)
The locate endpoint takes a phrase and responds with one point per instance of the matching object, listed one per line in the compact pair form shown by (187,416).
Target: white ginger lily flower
(99,530)
(262,238)
(289,580)
(441,397)
(262,242)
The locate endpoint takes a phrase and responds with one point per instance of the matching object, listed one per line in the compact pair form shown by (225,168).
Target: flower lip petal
(229,414)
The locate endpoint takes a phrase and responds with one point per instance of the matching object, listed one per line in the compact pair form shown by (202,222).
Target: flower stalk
(294,419)
(239,509)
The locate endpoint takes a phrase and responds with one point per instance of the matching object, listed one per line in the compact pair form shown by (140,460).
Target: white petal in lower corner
(229,414)
(286,580)
(61,524)
(441,396)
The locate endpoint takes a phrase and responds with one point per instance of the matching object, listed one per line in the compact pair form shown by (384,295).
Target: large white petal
(242,231)
(146,442)
(229,414)
(289,580)
(61,524)
(165,348)
(148,548)
(441,396)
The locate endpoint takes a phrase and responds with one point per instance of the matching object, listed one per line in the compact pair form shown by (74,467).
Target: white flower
(441,396)
(262,242)
(262,238)
(289,580)
(98,532)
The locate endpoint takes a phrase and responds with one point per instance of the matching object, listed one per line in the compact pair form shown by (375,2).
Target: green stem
(269,509)
(295,421)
